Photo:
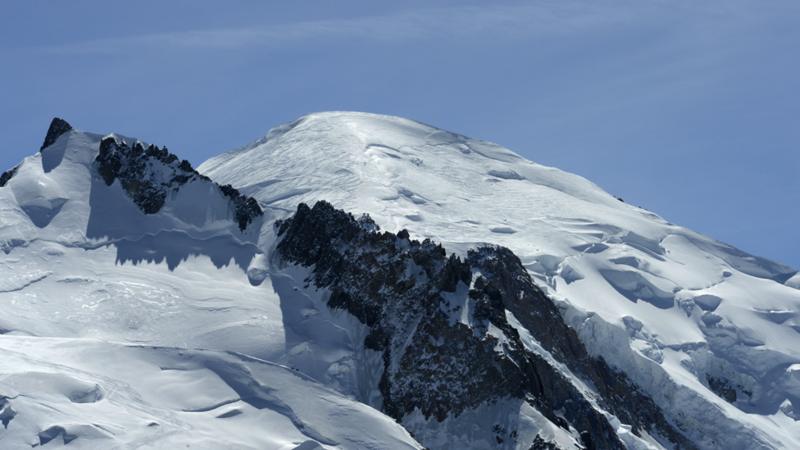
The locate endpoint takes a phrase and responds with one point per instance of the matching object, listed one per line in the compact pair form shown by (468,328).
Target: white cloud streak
(541,17)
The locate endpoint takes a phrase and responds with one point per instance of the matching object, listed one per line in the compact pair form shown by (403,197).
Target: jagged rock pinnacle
(58,126)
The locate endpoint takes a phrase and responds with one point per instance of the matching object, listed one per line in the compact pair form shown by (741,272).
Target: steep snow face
(137,312)
(710,332)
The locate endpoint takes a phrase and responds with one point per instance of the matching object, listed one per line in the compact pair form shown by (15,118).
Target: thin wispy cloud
(500,20)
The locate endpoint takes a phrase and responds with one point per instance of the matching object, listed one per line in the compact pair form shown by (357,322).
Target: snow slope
(693,321)
(97,394)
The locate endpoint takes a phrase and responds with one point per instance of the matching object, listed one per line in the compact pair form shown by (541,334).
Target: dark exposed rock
(7,413)
(6,176)
(246,209)
(586,440)
(722,388)
(541,444)
(118,160)
(149,174)
(441,366)
(726,389)
(45,436)
(58,126)
(419,374)
(453,272)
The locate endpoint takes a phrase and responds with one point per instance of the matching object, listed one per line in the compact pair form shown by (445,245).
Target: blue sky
(690,109)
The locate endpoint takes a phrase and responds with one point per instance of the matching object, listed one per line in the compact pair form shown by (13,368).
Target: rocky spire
(58,126)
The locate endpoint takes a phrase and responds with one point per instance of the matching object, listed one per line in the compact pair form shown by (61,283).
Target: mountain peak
(58,126)
(557,315)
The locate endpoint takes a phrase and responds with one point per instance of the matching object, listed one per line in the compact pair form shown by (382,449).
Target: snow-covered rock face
(146,305)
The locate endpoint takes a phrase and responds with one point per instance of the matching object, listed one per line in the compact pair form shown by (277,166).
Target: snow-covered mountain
(485,302)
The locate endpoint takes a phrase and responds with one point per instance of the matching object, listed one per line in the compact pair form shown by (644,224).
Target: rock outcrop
(441,324)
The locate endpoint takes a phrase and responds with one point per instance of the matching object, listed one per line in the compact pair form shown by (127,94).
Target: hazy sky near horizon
(690,109)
